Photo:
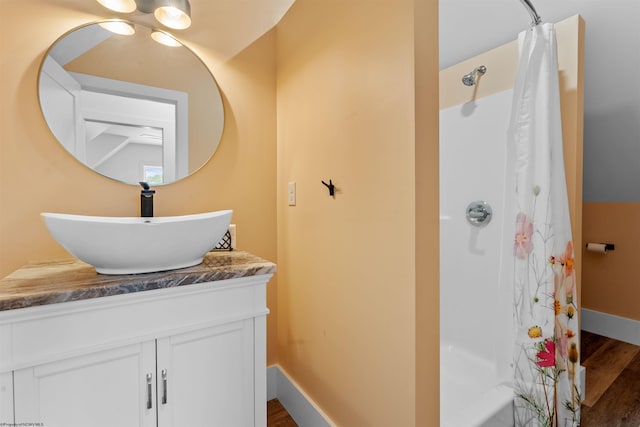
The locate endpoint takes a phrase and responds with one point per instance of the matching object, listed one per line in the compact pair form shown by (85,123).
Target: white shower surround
(475,320)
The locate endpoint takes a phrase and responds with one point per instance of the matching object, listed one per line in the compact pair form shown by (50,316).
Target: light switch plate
(291,193)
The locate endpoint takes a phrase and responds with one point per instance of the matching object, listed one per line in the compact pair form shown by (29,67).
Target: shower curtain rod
(535,18)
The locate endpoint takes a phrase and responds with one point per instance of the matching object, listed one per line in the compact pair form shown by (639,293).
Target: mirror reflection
(129,107)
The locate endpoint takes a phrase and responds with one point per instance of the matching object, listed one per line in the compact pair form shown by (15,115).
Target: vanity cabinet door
(108,388)
(208,377)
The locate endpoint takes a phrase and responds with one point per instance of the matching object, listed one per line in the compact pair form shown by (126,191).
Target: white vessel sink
(129,245)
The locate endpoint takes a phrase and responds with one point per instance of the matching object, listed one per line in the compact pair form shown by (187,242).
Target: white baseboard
(272,382)
(616,327)
(301,408)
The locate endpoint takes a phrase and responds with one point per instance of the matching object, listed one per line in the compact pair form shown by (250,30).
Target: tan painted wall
(427,217)
(610,281)
(37,174)
(501,64)
(350,281)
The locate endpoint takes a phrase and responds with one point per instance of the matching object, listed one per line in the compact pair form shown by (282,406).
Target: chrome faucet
(146,200)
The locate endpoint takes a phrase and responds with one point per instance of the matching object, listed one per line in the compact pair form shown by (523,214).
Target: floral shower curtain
(546,353)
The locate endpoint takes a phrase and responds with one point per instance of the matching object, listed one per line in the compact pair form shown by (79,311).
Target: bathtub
(471,394)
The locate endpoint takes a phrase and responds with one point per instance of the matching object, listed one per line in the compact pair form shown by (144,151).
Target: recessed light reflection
(119,27)
(165,38)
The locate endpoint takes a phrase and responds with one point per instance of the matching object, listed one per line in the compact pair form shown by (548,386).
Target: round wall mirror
(129,107)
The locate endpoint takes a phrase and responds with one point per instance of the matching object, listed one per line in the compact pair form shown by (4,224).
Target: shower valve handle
(479,213)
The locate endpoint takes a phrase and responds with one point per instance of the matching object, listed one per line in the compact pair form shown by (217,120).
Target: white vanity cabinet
(191,355)
(206,377)
(105,388)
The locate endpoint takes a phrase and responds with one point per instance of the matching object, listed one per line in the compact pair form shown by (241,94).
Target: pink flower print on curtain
(522,245)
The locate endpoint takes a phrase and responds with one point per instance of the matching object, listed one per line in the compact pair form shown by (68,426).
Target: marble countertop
(72,280)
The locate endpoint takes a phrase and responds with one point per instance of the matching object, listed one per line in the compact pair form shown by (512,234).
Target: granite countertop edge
(62,281)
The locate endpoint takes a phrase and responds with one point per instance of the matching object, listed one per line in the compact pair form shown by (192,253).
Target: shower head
(470,79)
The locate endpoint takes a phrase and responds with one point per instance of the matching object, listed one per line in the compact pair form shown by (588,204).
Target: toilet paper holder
(607,246)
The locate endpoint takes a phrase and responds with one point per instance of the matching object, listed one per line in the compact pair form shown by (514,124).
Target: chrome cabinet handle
(149,396)
(164,386)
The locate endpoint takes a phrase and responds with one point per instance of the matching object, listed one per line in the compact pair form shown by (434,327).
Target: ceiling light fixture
(122,6)
(174,14)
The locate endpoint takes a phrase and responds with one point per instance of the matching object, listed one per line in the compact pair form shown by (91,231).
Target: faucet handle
(146,189)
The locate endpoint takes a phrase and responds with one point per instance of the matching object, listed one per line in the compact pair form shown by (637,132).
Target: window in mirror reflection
(152,174)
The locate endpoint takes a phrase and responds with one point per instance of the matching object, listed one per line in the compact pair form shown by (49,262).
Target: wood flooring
(613,385)
(613,382)
(277,416)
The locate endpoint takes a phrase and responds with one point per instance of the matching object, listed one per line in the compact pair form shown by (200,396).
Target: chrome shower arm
(535,18)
